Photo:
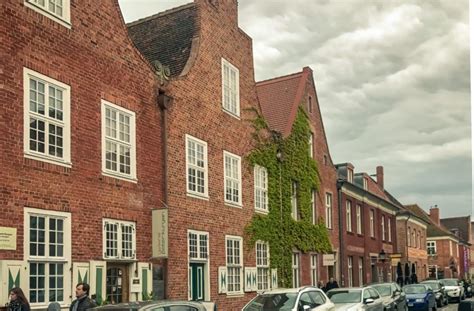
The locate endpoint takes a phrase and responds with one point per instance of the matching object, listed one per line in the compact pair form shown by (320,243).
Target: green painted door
(196,271)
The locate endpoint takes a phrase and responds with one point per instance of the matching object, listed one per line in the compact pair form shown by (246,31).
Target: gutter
(339,184)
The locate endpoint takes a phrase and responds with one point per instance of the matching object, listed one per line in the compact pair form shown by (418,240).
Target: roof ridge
(160,14)
(278,79)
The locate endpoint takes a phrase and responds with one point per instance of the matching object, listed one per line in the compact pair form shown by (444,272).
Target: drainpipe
(406,246)
(339,184)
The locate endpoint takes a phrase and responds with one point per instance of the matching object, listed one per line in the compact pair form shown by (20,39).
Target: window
(361,271)
(329,210)
(372,226)
(431,247)
(383,227)
(48,252)
(409,237)
(47,125)
(233,179)
(263,265)
(350,275)
(230,88)
(261,188)
(234,264)
(58,10)
(196,166)
(314,269)
(419,239)
(294,201)
(118,141)
(350,175)
(310,145)
(119,239)
(389,225)
(313,207)
(413,238)
(295,268)
(198,245)
(310,104)
(450,249)
(359,219)
(325,160)
(365,183)
(349,216)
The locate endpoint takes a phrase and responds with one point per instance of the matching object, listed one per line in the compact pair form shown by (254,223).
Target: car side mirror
(396,293)
(368,301)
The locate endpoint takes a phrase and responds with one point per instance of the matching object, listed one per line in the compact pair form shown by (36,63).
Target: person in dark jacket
(18,301)
(82,302)
(331,284)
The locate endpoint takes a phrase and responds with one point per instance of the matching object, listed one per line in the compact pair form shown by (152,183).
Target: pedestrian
(18,301)
(331,284)
(82,301)
(321,286)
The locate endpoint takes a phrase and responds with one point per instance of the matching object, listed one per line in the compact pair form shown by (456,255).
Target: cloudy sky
(392,79)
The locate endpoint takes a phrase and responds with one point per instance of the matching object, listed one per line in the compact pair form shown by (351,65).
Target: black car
(393,297)
(438,290)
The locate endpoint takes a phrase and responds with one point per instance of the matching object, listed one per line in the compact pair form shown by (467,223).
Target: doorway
(117,286)
(196,281)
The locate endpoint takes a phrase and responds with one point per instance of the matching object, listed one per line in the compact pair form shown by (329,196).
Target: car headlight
(419,300)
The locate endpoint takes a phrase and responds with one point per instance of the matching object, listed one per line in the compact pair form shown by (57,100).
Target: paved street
(452,306)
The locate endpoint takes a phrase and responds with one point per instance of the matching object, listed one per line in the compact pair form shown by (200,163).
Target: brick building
(461,227)
(81,153)
(367,227)
(280,99)
(210,185)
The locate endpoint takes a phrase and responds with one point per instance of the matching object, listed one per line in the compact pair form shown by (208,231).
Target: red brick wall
(412,254)
(443,257)
(97,60)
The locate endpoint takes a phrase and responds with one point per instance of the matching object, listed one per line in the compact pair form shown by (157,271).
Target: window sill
(42,158)
(231,114)
(235,295)
(231,204)
(121,177)
(261,211)
(197,196)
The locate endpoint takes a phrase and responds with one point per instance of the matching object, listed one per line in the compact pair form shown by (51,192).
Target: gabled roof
(433,229)
(460,223)
(280,97)
(167,36)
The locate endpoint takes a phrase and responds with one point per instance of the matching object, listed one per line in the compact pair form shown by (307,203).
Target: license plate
(410,304)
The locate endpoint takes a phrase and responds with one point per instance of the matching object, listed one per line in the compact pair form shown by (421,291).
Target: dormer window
(365,183)
(230,89)
(350,175)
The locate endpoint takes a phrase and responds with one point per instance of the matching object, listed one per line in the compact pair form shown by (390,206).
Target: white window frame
(131,144)
(310,104)
(119,242)
(66,259)
(43,8)
(233,111)
(372,224)
(311,145)
(262,255)
(65,124)
(204,169)
(389,225)
(348,216)
(233,179)
(359,218)
(260,174)
(328,197)
(238,279)
(350,272)
(431,247)
(413,238)
(365,183)
(314,269)
(409,237)
(350,175)
(383,227)
(313,207)
(200,243)
(450,248)
(361,271)
(295,269)
(294,200)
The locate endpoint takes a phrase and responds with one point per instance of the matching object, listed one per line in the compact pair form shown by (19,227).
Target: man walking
(82,302)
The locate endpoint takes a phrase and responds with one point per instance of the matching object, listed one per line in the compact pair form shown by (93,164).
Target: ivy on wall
(278,228)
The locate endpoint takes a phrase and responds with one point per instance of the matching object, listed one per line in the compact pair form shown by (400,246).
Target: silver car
(161,305)
(356,299)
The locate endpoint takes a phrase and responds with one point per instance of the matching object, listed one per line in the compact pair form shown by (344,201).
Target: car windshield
(384,290)
(414,289)
(449,282)
(433,285)
(344,296)
(272,302)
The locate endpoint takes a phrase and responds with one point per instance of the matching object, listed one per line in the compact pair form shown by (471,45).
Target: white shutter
(80,273)
(13,273)
(222,280)
(248,279)
(274,281)
(254,280)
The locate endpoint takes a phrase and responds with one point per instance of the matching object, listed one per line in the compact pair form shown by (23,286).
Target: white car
(453,289)
(306,298)
(356,299)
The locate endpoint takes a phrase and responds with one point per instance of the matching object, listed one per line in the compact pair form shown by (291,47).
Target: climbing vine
(278,228)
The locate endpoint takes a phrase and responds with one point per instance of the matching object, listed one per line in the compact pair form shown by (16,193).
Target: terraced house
(81,164)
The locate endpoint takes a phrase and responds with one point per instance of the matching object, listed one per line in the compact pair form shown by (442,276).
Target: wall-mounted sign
(7,238)
(160,233)
(328,260)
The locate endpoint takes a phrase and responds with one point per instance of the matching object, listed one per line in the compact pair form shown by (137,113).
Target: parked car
(392,295)
(466,306)
(439,291)
(162,305)
(291,299)
(420,297)
(356,299)
(454,289)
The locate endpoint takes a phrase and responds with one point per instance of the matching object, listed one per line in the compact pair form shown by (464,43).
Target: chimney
(434,214)
(380,177)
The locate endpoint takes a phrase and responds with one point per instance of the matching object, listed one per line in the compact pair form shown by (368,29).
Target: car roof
(146,304)
(289,290)
(350,289)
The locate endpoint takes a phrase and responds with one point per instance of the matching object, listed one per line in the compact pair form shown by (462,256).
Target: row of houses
(145,160)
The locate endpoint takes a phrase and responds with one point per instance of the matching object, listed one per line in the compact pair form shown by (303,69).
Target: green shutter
(98,286)
(13,281)
(145,284)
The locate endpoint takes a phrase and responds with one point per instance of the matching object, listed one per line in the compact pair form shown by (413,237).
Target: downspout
(339,184)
